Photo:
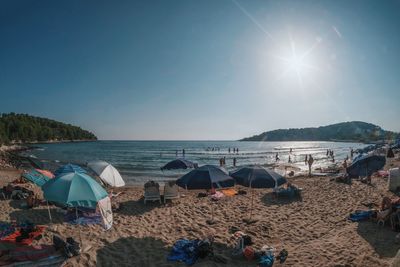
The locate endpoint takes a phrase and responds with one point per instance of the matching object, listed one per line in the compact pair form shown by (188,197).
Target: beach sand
(313,229)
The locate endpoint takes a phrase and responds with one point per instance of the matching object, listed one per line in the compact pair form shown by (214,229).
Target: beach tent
(206,177)
(68,168)
(177,164)
(366,165)
(74,189)
(257,177)
(107,173)
(35,177)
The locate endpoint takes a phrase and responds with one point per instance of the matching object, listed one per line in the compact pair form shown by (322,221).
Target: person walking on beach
(234,162)
(345,165)
(290,160)
(310,163)
(276,157)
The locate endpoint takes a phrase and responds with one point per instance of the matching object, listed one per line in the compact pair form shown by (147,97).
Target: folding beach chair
(170,191)
(152,193)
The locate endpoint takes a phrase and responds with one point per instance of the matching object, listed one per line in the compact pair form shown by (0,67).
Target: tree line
(25,128)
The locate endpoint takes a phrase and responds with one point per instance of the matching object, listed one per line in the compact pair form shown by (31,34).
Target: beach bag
(204,249)
(247,240)
(266,261)
(248,253)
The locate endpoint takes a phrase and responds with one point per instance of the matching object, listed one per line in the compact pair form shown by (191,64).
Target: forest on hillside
(356,131)
(25,128)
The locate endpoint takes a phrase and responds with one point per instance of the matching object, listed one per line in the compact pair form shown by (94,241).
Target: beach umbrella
(206,177)
(68,168)
(74,189)
(177,164)
(107,173)
(366,165)
(257,177)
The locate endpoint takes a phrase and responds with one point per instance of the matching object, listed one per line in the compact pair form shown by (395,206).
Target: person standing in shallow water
(276,157)
(310,163)
(290,160)
(183,152)
(306,159)
(234,162)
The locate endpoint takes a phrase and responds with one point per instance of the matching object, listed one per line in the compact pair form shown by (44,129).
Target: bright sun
(299,64)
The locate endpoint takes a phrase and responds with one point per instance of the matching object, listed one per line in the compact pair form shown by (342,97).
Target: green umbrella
(74,190)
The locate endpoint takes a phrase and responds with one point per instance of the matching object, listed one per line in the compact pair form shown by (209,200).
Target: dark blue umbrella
(206,177)
(68,168)
(366,165)
(258,177)
(177,164)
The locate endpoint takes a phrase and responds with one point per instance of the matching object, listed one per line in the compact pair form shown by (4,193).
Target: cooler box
(394,179)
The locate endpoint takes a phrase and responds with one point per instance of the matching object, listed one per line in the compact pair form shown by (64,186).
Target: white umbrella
(107,173)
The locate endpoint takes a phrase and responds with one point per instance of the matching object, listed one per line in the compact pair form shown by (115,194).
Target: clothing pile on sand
(189,251)
(19,246)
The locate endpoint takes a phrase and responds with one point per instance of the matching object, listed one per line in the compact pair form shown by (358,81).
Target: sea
(140,161)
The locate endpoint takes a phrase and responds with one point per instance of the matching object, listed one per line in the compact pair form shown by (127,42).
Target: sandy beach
(313,229)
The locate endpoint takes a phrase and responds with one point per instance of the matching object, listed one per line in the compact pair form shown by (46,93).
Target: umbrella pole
(80,234)
(252,201)
(48,209)
(212,212)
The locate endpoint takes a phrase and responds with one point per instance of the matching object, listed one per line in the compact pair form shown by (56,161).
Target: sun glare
(297,64)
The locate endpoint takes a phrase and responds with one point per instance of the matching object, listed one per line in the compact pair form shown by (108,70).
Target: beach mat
(12,238)
(55,260)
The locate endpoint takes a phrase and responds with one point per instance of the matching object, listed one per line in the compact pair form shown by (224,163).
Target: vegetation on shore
(355,131)
(25,128)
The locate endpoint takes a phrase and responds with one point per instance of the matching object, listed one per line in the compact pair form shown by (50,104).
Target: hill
(356,131)
(26,128)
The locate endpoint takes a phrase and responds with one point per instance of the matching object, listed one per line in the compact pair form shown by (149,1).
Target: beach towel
(55,260)
(17,235)
(184,251)
(6,229)
(32,253)
(217,195)
(84,218)
(360,215)
(105,208)
(229,192)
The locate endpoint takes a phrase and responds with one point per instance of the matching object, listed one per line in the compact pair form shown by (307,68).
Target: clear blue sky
(186,69)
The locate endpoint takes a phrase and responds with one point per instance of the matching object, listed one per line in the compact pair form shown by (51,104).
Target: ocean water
(139,161)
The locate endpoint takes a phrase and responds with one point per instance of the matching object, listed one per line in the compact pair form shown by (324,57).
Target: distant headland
(23,128)
(353,131)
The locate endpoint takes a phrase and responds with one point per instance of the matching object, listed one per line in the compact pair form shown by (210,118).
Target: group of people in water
(222,162)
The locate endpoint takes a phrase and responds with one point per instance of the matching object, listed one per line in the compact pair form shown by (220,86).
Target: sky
(200,70)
